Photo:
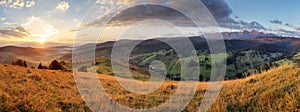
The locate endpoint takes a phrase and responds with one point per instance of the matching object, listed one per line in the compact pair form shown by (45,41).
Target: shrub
(45,67)
(20,62)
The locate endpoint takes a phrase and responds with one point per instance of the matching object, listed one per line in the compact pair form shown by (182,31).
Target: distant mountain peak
(246,34)
(264,32)
(254,32)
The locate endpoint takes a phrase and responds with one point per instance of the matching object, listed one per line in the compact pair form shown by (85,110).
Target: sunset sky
(57,21)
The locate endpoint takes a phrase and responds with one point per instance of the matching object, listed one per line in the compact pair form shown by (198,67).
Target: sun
(41,40)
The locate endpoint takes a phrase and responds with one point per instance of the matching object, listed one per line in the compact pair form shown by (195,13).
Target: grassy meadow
(24,89)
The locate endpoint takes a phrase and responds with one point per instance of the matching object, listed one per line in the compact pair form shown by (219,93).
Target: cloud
(10,23)
(3,19)
(2,2)
(218,8)
(17,32)
(17,4)
(297,28)
(276,21)
(33,19)
(114,2)
(73,30)
(252,25)
(39,28)
(236,17)
(284,32)
(289,25)
(63,6)
(30,4)
(241,25)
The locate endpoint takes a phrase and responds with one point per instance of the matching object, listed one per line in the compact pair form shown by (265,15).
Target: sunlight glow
(41,40)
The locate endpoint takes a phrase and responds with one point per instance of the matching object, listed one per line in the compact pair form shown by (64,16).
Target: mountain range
(245,53)
(246,34)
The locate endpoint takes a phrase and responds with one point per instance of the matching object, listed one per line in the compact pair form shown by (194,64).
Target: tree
(24,64)
(55,65)
(40,66)
(20,62)
(201,77)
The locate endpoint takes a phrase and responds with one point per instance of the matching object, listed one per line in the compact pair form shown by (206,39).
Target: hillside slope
(23,89)
(29,90)
(275,90)
(33,56)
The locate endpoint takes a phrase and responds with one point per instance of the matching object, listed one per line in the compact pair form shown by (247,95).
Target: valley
(244,56)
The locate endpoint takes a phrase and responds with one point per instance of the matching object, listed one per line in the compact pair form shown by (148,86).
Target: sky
(274,14)
(61,21)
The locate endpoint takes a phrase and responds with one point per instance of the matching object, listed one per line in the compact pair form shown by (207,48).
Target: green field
(239,64)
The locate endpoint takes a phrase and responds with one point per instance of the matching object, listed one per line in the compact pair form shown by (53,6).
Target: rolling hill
(285,45)
(24,89)
(246,56)
(33,56)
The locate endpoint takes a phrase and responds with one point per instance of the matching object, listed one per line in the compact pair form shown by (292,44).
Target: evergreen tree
(25,64)
(40,66)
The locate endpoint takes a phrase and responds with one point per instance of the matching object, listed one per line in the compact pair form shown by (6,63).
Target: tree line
(54,65)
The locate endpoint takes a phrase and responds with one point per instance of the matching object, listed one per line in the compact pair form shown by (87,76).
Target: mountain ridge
(246,34)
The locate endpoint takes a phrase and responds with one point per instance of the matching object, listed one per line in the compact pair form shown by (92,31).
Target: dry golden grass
(23,89)
(274,90)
